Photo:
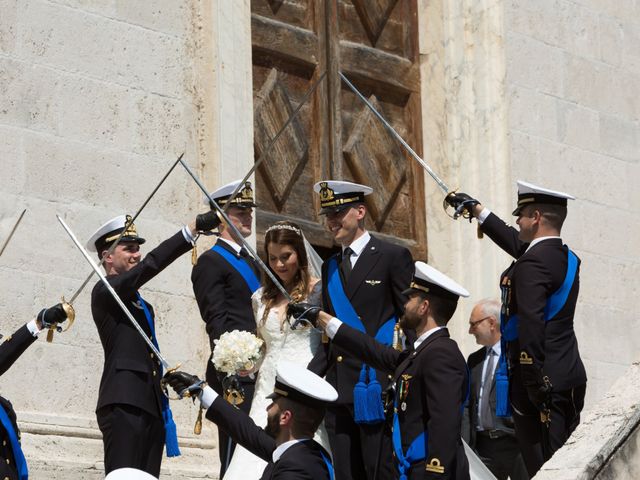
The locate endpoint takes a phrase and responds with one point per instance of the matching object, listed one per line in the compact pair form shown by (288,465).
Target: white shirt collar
(358,245)
(497,348)
(283,447)
(233,245)
(424,336)
(538,240)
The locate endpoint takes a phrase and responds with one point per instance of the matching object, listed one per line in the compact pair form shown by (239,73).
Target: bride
(286,250)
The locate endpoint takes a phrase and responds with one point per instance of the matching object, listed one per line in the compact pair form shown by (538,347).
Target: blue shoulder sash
(18,455)
(367,399)
(240,265)
(509,330)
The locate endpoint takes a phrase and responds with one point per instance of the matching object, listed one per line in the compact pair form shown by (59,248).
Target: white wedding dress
(282,343)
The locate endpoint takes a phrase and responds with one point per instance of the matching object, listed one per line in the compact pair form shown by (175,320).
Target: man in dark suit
(132,412)
(13,465)
(493,438)
(546,380)
(362,285)
(286,443)
(223,280)
(429,386)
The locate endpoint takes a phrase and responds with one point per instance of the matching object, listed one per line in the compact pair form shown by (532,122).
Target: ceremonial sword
(13,230)
(263,155)
(68,304)
(103,279)
(237,233)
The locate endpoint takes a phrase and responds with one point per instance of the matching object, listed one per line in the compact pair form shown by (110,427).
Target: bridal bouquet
(237,351)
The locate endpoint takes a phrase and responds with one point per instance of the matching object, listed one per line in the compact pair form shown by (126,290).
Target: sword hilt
(71,316)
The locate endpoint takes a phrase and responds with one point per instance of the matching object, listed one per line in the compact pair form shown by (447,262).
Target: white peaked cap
(430,280)
(129,474)
(109,231)
(529,194)
(341,187)
(294,381)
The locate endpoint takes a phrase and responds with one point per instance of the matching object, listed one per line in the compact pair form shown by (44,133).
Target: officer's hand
(49,317)
(184,384)
(461,202)
(303,312)
(207,221)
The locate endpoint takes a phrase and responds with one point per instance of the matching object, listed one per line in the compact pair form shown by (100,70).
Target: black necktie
(486,419)
(244,253)
(345,265)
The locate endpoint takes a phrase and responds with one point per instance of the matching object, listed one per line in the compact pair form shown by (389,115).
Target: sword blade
(237,233)
(113,293)
(119,237)
(397,136)
(13,230)
(275,138)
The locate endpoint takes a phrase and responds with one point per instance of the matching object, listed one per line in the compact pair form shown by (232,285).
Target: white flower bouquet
(237,352)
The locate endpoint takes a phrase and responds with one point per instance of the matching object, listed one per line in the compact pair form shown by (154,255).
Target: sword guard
(71,315)
(165,388)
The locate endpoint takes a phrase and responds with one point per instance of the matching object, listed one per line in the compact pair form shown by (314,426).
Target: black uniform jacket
(542,349)
(375,286)
(504,424)
(302,461)
(131,372)
(10,350)
(436,384)
(224,300)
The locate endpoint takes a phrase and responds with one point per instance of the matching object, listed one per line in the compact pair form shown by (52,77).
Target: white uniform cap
(430,280)
(336,195)
(295,382)
(108,232)
(528,194)
(129,474)
(244,198)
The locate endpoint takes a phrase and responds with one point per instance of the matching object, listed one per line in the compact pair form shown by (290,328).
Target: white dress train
(281,343)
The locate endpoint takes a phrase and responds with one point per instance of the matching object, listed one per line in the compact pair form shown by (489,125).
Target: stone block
(166,16)
(96,46)
(535,65)
(578,126)
(620,137)
(612,41)
(159,125)
(524,154)
(538,20)
(533,112)
(8,26)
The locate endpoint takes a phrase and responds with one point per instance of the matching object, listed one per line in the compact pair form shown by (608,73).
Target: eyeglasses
(477,322)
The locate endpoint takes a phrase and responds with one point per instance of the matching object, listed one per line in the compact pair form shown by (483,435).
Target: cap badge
(326,193)
(247,192)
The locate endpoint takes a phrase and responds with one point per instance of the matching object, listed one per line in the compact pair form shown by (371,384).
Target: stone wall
(546,91)
(98,100)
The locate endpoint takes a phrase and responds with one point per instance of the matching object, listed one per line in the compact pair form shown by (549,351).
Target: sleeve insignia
(525,359)
(373,282)
(434,466)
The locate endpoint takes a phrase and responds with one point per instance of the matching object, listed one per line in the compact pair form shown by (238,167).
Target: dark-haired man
(541,375)
(430,382)
(223,280)
(286,443)
(133,414)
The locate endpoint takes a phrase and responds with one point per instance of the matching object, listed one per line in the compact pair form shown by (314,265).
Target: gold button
(151,354)
(154,373)
(339,359)
(7,478)
(4,443)
(8,462)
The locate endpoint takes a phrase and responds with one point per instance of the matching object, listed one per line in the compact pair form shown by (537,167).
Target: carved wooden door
(375,44)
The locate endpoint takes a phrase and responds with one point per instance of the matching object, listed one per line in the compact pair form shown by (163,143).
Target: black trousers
(226,446)
(132,438)
(538,442)
(360,452)
(500,452)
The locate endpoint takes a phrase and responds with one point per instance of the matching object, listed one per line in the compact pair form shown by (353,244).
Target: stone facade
(99,98)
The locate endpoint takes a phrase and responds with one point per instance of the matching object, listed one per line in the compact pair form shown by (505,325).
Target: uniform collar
(233,245)
(358,245)
(283,447)
(540,239)
(424,336)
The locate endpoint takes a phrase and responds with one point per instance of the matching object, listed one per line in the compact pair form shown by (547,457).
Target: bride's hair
(285,233)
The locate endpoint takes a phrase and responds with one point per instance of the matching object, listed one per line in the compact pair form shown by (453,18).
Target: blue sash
(509,331)
(21,463)
(171,434)
(327,462)
(367,394)
(240,265)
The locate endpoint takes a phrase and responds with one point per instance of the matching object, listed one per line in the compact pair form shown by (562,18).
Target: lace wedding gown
(282,343)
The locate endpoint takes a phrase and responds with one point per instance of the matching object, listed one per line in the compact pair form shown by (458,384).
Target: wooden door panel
(374,43)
